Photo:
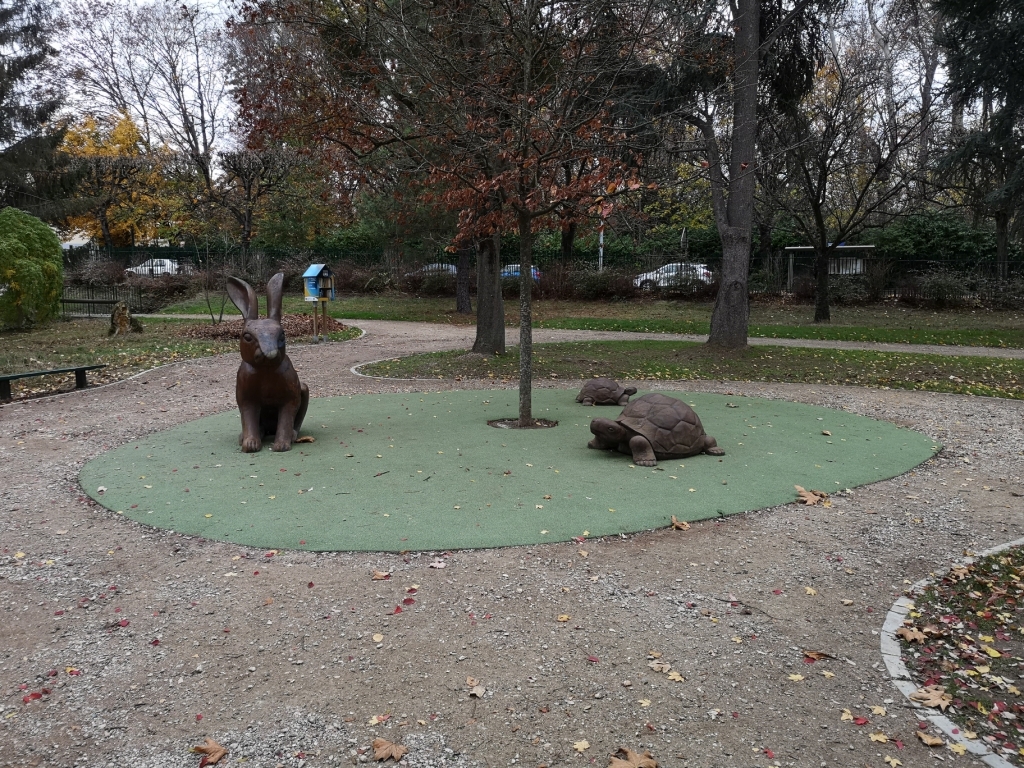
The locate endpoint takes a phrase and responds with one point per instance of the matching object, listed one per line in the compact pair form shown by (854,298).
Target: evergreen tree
(29,174)
(985,61)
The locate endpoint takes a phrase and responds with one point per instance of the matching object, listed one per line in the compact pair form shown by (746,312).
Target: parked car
(156,267)
(512,270)
(433,269)
(673,275)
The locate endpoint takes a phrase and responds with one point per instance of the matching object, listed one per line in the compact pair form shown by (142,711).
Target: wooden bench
(80,380)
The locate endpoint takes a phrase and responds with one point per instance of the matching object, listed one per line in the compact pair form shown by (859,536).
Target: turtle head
(607,434)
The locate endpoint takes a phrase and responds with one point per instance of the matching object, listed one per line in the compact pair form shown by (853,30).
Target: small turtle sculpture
(654,427)
(604,391)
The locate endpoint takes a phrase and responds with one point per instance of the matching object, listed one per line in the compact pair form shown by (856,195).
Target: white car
(156,267)
(673,275)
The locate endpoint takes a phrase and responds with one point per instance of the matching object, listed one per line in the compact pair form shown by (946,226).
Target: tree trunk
(568,240)
(108,240)
(821,308)
(730,319)
(525,321)
(490,307)
(1002,243)
(462,303)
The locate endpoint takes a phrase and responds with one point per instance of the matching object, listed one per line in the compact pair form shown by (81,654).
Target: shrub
(848,289)
(591,285)
(31,269)
(942,288)
(97,270)
(158,292)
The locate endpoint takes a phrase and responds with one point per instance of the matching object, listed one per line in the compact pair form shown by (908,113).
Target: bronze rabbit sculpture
(270,398)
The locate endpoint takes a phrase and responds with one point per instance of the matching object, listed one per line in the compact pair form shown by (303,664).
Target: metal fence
(91,301)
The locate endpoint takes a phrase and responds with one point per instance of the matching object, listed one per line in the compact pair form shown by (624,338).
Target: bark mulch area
(294,326)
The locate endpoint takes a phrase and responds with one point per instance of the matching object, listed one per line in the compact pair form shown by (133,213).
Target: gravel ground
(147,641)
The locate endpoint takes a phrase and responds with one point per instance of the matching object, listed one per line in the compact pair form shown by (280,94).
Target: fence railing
(91,300)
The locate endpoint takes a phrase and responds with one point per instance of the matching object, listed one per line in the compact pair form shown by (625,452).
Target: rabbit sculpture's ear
(244,297)
(274,288)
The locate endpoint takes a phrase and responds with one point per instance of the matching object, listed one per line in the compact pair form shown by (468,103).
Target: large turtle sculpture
(653,427)
(602,391)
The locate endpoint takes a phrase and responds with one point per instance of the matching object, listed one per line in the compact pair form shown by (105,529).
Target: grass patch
(671,360)
(85,342)
(972,337)
(891,323)
(963,638)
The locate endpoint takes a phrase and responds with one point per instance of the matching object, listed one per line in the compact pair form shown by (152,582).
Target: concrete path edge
(893,657)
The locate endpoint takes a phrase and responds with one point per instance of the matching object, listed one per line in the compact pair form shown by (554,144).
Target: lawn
(890,322)
(672,360)
(85,342)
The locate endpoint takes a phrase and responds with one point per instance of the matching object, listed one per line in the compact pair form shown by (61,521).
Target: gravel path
(148,641)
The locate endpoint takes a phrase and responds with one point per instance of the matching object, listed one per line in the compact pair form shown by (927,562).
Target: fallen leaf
(893,761)
(581,746)
(847,715)
(679,525)
(381,575)
(877,710)
(378,638)
(644,702)
(932,696)
(627,758)
(911,634)
(817,655)
(471,681)
(880,737)
(958,749)
(676,677)
(796,678)
(564,617)
(826,432)
(306,439)
(477,691)
(384,750)
(809,498)
(659,666)
(211,751)
(810,591)
(928,740)
(847,602)
(826,674)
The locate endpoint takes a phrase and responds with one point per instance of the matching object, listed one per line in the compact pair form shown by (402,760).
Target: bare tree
(847,152)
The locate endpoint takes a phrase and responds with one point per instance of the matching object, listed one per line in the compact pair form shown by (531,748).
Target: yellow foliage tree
(121,182)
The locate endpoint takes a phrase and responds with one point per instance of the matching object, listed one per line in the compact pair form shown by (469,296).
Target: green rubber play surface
(426,472)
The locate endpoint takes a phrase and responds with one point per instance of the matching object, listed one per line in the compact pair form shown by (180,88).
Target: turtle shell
(670,424)
(601,390)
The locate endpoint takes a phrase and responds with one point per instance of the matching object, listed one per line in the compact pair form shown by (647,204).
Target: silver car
(673,275)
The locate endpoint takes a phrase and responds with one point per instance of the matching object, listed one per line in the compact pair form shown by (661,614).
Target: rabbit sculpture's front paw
(251,444)
(282,445)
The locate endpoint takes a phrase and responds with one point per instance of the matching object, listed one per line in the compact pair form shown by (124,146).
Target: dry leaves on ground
(932,696)
(911,634)
(211,751)
(928,740)
(810,498)
(627,758)
(294,326)
(679,525)
(387,750)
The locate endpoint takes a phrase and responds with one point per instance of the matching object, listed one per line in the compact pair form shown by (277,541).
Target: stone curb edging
(893,656)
